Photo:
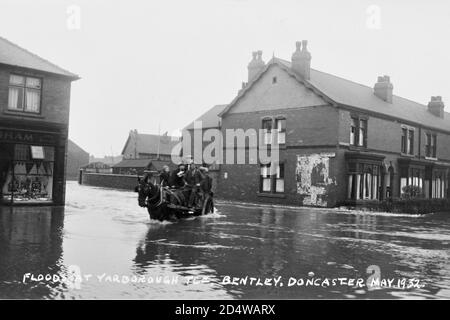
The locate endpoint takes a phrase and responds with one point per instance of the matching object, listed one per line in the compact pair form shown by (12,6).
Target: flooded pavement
(102,245)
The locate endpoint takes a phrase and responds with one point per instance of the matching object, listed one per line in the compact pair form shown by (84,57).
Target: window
(29,174)
(353,132)
(430,148)
(362,132)
(267,131)
(280,126)
(265,178)
(272,181)
(363,181)
(439,184)
(407,141)
(279,178)
(24,94)
(358,132)
(412,181)
(274,80)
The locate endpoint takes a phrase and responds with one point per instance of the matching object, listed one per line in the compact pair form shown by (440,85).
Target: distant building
(149,146)
(138,166)
(97,167)
(109,160)
(76,159)
(146,151)
(34,119)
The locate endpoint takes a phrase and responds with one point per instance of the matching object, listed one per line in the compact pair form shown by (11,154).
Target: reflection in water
(30,242)
(106,233)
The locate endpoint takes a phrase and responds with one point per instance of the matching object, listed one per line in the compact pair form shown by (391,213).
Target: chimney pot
(304,45)
(256,65)
(301,60)
(436,106)
(383,88)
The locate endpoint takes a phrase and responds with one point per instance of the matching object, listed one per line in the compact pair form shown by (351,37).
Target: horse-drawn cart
(164,203)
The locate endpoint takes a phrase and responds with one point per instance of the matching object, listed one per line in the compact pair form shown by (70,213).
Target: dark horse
(167,204)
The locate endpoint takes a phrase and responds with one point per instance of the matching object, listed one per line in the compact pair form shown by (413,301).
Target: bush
(410,192)
(404,205)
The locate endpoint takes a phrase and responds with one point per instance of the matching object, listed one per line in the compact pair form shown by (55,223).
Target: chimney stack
(256,65)
(383,89)
(436,106)
(301,60)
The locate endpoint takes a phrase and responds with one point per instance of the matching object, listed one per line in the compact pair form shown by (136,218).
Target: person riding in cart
(193,180)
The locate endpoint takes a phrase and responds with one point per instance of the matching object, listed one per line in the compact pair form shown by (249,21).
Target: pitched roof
(152,143)
(13,55)
(210,119)
(339,91)
(144,163)
(73,147)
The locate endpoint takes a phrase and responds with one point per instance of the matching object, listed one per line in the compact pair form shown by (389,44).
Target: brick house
(338,141)
(34,118)
(146,152)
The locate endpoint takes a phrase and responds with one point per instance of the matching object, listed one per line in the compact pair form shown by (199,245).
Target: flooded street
(106,239)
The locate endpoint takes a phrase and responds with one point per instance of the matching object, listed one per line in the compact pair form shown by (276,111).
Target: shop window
(24,94)
(29,175)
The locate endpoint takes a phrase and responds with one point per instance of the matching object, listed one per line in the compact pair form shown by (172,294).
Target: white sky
(149,63)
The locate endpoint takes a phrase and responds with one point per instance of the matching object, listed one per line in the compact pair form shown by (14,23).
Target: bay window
(364,182)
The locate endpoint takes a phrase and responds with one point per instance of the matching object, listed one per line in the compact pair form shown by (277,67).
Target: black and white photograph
(223,151)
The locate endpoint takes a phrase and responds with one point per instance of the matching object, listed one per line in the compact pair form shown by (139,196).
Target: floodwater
(102,245)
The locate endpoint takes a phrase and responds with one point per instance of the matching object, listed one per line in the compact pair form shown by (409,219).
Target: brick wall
(115,181)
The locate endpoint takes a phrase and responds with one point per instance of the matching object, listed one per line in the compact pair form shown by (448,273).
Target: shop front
(32,164)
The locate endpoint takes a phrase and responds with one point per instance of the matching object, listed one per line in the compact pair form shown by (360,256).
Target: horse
(150,196)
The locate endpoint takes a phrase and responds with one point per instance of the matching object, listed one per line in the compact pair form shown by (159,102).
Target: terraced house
(338,141)
(34,118)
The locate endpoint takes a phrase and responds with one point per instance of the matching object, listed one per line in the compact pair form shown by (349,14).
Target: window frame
(431,145)
(361,125)
(407,141)
(280,130)
(281,168)
(267,132)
